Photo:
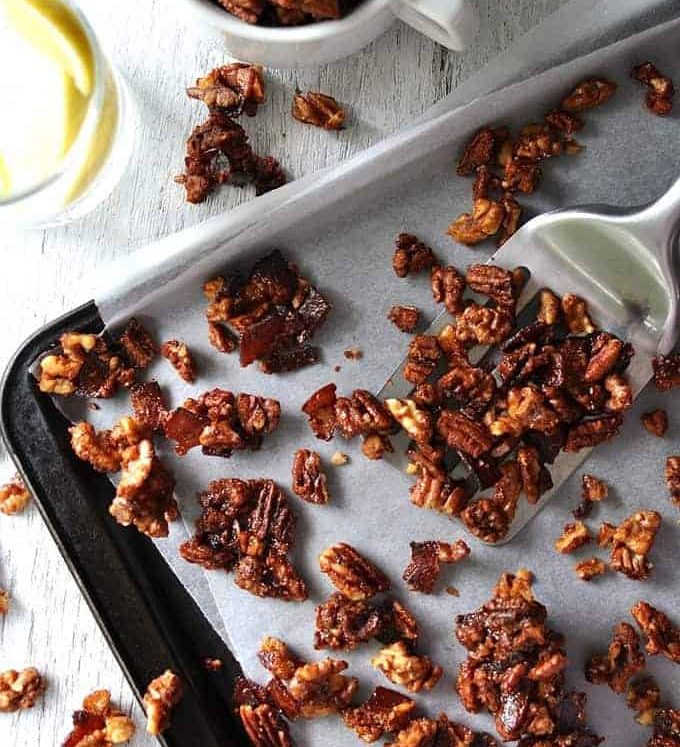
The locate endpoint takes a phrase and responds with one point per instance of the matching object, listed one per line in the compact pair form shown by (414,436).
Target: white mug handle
(452,23)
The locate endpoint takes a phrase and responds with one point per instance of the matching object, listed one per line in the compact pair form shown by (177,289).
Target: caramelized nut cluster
(659,98)
(145,491)
(247,526)
(274,311)
(384,711)
(20,690)
(515,668)
(98,724)
(631,543)
(161,696)
(14,496)
(509,165)
(411,255)
(623,660)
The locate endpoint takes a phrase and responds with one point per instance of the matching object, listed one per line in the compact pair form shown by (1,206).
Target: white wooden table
(43,274)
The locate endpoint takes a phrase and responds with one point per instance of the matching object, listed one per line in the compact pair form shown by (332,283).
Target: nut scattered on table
(631,543)
(161,696)
(593,490)
(623,660)
(385,711)
(14,496)
(351,573)
(318,109)
(400,665)
(98,724)
(422,572)
(20,690)
(643,696)
(662,636)
(180,358)
(309,480)
(573,536)
(411,255)
(448,286)
(659,98)
(404,318)
(590,568)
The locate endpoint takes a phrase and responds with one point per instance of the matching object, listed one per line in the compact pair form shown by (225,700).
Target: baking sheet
(342,239)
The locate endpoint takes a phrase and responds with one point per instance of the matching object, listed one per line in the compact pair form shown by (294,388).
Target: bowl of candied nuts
(299,33)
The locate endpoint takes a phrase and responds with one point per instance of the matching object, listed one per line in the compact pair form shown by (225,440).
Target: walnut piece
(483,325)
(623,660)
(320,688)
(573,536)
(161,696)
(672,475)
(404,318)
(411,255)
(643,696)
(415,421)
(412,671)
(277,658)
(180,358)
(662,636)
(422,572)
(576,315)
(351,573)
(20,690)
(385,711)
(233,88)
(309,480)
(588,569)
(550,309)
(14,496)
(448,286)
(659,98)
(589,93)
(345,624)
(479,151)
(655,422)
(318,109)
(98,724)
(632,541)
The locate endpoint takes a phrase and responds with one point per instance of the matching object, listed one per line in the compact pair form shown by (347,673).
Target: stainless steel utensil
(624,262)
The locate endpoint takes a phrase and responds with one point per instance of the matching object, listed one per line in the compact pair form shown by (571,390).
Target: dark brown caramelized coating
(404,318)
(480,150)
(318,109)
(588,94)
(672,475)
(666,371)
(274,311)
(385,711)
(148,405)
(247,526)
(138,344)
(424,353)
(623,660)
(422,572)
(659,98)
(643,696)
(423,732)
(351,573)
(411,255)
(666,728)
(448,286)
(98,724)
(221,422)
(234,88)
(588,569)
(285,13)
(180,358)
(309,480)
(662,637)
(345,624)
(655,422)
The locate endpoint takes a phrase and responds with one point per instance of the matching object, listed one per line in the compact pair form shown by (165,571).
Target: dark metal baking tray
(146,615)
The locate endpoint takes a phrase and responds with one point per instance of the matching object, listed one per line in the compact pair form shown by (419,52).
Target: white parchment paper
(339,228)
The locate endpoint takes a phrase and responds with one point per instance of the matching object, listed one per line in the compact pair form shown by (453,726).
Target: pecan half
(439,493)
(620,663)
(412,671)
(593,432)
(659,98)
(463,434)
(14,496)
(264,726)
(351,573)
(411,255)
(423,355)
(422,572)
(384,711)
(318,109)
(309,480)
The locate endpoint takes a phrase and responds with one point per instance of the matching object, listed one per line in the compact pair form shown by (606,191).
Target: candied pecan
(448,286)
(573,536)
(399,624)
(588,94)
(351,573)
(605,355)
(422,732)
(148,405)
(463,434)
(589,568)
(4,602)
(98,724)
(375,446)
(666,371)
(321,689)
(318,109)
(666,728)
(483,325)
(161,696)
(234,88)
(404,318)
(484,221)
(180,358)
(511,219)
(479,151)
(344,624)
(412,671)
(537,141)
(277,658)
(536,479)
(507,489)
(384,711)
(138,344)
(309,480)
(20,690)
(486,520)
(423,355)
(643,696)
(422,572)
(655,422)
(362,414)
(270,576)
(632,541)
(411,255)
(264,726)
(564,121)
(14,496)
(490,280)
(672,475)
(620,393)
(576,316)
(439,493)
(320,409)
(622,661)
(526,410)
(662,636)
(593,432)
(605,534)
(221,338)
(416,422)
(659,98)
(550,309)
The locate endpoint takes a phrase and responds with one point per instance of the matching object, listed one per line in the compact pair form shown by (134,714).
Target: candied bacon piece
(564,121)
(486,520)
(320,409)
(148,405)
(422,572)
(138,344)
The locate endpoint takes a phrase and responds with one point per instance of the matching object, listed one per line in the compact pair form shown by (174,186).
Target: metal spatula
(623,262)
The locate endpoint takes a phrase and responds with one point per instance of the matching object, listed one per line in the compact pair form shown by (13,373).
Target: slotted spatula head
(623,262)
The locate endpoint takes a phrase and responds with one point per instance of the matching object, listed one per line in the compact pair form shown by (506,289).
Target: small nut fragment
(161,696)
(422,572)
(353,354)
(672,475)
(318,109)
(351,573)
(593,489)
(412,671)
(309,480)
(180,358)
(385,711)
(666,371)
(416,422)
(576,316)
(589,93)
(623,660)
(644,696)
(375,446)
(14,496)
(659,98)
(590,568)
(221,338)
(404,318)
(339,459)
(573,536)
(411,255)
(20,690)
(655,422)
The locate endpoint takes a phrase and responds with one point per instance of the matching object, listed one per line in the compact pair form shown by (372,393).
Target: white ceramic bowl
(450,22)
